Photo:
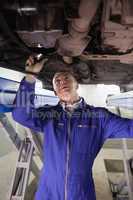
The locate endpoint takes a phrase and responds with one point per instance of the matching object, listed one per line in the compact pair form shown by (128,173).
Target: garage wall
(96,94)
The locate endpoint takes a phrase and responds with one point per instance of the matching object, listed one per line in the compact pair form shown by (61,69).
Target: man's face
(65,85)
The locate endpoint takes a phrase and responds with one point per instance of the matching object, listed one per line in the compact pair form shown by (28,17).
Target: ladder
(22,170)
(25,161)
(16,140)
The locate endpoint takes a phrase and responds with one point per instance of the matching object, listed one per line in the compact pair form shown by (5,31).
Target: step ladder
(22,170)
(31,140)
(16,140)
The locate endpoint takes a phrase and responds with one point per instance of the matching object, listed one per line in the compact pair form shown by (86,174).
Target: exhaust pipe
(77,39)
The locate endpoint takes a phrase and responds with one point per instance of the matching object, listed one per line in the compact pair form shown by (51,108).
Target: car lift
(25,161)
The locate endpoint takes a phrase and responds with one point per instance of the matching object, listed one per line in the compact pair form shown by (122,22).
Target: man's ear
(77,86)
(55,93)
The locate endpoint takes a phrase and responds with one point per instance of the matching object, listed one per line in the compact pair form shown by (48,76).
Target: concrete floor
(7,164)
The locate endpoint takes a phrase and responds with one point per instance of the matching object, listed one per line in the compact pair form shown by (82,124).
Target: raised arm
(24,111)
(115,126)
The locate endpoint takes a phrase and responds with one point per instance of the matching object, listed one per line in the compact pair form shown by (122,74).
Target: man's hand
(33,68)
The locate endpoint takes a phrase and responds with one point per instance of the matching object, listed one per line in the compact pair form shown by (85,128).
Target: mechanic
(74,134)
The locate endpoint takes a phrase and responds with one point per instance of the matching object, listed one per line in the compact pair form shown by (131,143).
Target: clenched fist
(33,67)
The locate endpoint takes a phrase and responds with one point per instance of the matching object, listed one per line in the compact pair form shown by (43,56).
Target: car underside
(94,38)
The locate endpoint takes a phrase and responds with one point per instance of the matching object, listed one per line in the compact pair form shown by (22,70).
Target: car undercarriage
(94,38)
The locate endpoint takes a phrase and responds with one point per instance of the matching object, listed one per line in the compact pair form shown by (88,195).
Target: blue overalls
(71,144)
